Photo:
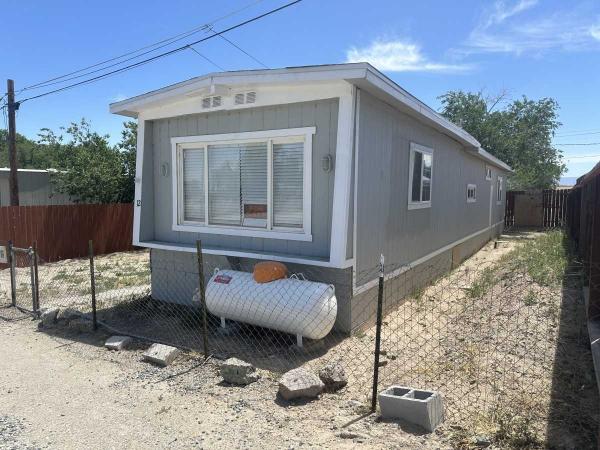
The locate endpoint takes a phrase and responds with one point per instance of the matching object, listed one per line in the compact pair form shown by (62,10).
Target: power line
(162,55)
(582,156)
(577,134)
(206,58)
(240,49)
(156,46)
(584,143)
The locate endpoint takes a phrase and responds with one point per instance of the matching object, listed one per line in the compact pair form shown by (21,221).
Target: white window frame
(414,147)
(488,173)
(499,190)
(178,144)
(472,187)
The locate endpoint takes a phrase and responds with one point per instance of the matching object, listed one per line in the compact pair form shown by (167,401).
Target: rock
(48,316)
(117,342)
(81,325)
(68,314)
(351,435)
(298,383)
(482,441)
(333,376)
(236,371)
(161,354)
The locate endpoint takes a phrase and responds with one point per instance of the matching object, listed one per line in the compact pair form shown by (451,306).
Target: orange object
(269,271)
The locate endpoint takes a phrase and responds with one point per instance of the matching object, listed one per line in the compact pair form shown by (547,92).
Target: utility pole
(12,143)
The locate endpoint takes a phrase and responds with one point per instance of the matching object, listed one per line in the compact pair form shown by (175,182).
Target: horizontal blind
(193,185)
(288,186)
(224,184)
(253,158)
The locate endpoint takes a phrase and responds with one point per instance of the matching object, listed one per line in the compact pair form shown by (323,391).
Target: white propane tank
(300,307)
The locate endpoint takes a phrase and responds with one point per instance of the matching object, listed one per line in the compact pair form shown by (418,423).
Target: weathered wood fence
(545,209)
(583,227)
(63,231)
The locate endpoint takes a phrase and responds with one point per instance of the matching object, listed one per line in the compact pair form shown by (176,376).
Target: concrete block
(117,342)
(161,354)
(423,408)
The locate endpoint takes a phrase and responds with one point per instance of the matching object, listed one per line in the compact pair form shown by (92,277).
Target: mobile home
(323,168)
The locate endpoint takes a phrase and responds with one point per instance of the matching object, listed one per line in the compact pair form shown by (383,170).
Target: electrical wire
(156,46)
(207,58)
(584,143)
(161,55)
(240,49)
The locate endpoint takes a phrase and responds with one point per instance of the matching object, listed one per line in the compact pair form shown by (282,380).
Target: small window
(471,193)
(499,189)
(488,173)
(420,176)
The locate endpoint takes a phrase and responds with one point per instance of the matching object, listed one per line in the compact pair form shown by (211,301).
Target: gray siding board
(321,114)
(384,223)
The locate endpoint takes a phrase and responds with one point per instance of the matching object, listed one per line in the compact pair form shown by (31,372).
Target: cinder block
(423,408)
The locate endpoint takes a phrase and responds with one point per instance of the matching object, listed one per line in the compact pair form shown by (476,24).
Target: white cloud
(400,56)
(562,30)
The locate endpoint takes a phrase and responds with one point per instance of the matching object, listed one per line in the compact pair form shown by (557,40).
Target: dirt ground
(476,334)
(69,392)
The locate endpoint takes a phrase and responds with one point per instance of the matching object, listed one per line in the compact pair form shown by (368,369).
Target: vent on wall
(239,99)
(248,97)
(211,102)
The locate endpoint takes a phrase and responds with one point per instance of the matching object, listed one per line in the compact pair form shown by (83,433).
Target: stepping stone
(161,354)
(299,383)
(236,371)
(117,342)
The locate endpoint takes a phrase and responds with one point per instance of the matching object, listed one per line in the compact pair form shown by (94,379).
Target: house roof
(363,75)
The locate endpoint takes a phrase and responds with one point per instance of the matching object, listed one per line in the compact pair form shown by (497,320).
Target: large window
(254,184)
(420,176)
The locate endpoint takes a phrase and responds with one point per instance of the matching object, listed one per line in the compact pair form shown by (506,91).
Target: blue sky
(537,48)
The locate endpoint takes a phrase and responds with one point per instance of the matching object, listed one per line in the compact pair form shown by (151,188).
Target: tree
(89,169)
(519,134)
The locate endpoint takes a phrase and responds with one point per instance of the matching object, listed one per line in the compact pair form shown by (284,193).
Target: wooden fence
(549,208)
(63,231)
(583,227)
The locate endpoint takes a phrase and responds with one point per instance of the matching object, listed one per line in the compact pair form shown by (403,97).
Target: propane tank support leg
(299,340)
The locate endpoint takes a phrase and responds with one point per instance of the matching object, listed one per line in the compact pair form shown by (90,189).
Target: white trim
(342,172)
(499,189)
(179,143)
(139,166)
(472,187)
(240,254)
(355,187)
(405,268)
(488,169)
(414,147)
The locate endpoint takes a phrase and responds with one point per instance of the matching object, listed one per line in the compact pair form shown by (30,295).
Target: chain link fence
(499,336)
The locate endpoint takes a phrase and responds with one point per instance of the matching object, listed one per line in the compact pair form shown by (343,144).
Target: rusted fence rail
(62,231)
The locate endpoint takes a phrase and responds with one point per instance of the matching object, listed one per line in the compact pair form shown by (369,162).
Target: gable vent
(239,99)
(216,101)
(250,97)
(206,102)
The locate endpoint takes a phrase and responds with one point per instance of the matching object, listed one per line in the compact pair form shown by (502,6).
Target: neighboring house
(35,188)
(321,167)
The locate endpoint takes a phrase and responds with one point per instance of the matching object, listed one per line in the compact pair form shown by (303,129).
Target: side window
(420,176)
(471,193)
(499,189)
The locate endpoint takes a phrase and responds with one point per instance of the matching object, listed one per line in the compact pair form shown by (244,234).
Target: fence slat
(63,231)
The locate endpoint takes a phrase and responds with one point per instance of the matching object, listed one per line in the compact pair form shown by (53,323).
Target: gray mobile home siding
(384,223)
(321,114)
(35,189)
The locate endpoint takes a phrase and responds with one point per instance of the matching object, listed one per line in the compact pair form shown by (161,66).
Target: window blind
(224,184)
(288,176)
(193,185)
(253,158)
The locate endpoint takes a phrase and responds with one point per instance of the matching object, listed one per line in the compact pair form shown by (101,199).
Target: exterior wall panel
(321,114)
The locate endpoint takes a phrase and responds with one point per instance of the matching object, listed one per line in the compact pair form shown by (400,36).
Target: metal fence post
(201,292)
(36,307)
(13,282)
(378,335)
(93,284)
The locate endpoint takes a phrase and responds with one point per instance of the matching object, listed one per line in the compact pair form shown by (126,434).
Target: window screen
(288,176)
